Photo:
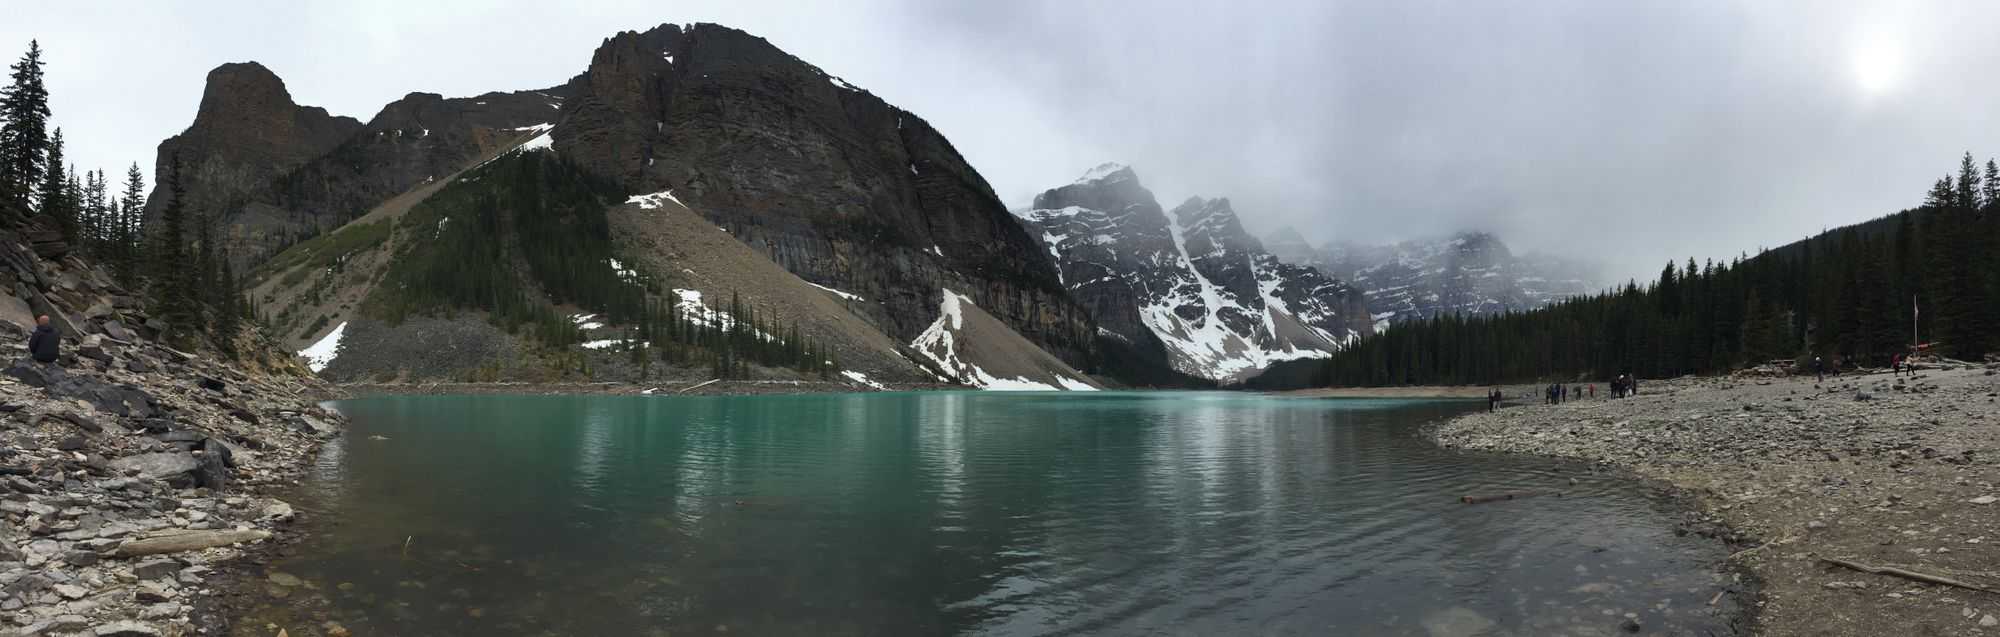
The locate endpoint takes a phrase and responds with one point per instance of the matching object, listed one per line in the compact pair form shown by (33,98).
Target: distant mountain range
(700,199)
(1467,273)
(1194,289)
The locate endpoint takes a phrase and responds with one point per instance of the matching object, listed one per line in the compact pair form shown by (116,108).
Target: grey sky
(1632,132)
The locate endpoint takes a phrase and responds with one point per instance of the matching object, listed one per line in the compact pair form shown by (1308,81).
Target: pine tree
(173,278)
(97,217)
(1990,196)
(1966,195)
(54,188)
(126,229)
(24,117)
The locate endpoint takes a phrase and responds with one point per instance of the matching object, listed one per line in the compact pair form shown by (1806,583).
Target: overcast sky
(1630,132)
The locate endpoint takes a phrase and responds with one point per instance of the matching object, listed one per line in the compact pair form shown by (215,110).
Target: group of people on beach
(1624,385)
(1559,393)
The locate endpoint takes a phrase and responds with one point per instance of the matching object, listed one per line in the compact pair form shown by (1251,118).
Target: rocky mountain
(813,203)
(1468,273)
(1194,290)
(274,172)
(825,178)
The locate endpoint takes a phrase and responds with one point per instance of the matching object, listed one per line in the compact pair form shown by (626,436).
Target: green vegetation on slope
(327,250)
(513,238)
(526,233)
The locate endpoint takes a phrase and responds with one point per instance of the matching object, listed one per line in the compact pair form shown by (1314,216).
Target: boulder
(212,468)
(156,568)
(164,465)
(92,348)
(117,331)
(34,374)
(314,426)
(15,312)
(115,399)
(221,449)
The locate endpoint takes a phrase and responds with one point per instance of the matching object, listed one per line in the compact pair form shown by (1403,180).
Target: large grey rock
(162,465)
(116,330)
(212,468)
(92,347)
(34,374)
(156,568)
(314,426)
(15,312)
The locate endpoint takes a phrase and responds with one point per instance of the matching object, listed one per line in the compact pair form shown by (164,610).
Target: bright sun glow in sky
(1878,63)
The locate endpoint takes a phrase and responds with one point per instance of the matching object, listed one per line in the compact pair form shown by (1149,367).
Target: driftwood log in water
(1482,499)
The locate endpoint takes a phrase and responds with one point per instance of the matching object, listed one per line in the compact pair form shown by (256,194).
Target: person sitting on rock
(46,343)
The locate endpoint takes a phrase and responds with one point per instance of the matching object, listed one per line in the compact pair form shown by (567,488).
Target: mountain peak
(1107,171)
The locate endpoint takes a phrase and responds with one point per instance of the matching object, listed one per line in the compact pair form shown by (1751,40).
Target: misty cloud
(1632,133)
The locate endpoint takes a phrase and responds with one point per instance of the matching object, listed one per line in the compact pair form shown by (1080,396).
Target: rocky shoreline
(657,388)
(1809,481)
(134,476)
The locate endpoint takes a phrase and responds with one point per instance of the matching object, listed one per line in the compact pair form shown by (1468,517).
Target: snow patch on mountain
(1101,172)
(845,295)
(654,201)
(945,343)
(321,353)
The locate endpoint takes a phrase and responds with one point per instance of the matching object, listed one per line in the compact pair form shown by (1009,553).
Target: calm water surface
(970,513)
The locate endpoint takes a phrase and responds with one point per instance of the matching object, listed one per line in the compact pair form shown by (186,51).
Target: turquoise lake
(948,513)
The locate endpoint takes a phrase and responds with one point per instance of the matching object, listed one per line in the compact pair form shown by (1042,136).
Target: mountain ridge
(1191,289)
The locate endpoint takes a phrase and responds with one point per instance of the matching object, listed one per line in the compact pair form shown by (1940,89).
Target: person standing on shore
(1819,369)
(1896,364)
(46,343)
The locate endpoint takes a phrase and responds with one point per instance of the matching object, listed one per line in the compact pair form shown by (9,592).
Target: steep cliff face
(1222,253)
(826,179)
(274,172)
(1197,288)
(246,133)
(416,139)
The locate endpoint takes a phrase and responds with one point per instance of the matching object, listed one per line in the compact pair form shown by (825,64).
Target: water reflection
(968,513)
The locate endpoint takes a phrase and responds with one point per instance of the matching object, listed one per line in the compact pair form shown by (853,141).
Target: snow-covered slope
(1196,287)
(981,351)
(1468,273)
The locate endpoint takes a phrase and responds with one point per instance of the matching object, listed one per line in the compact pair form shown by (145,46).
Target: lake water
(970,513)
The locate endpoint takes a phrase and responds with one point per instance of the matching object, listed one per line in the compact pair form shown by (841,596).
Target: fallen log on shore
(179,540)
(1907,574)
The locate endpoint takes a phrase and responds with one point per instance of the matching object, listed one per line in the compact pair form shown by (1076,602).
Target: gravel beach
(1810,480)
